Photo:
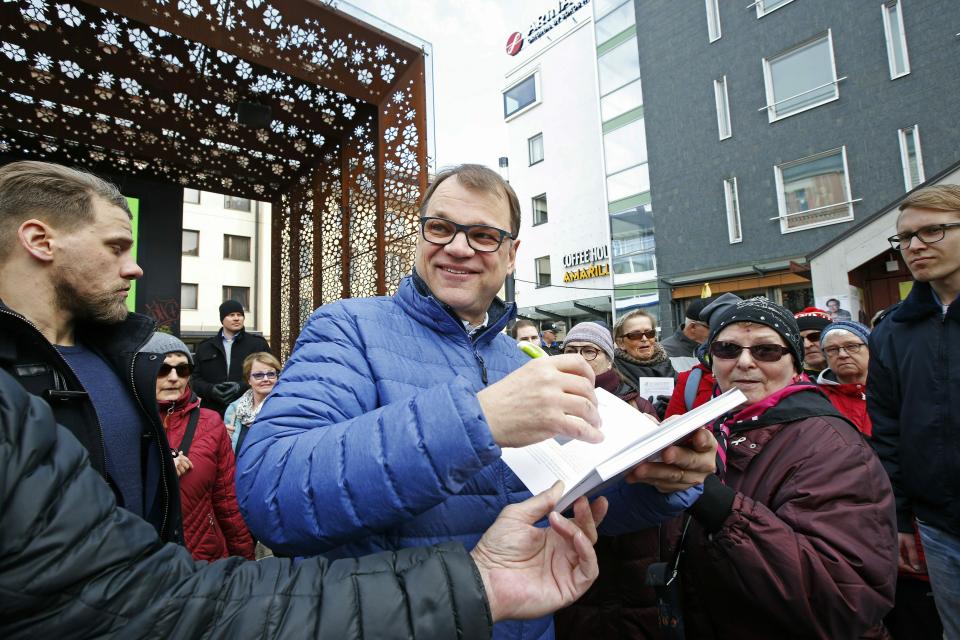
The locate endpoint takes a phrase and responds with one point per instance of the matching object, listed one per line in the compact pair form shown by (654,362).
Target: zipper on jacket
(483,366)
(58,379)
(163,457)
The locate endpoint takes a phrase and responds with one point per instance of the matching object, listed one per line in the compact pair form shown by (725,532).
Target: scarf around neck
(659,355)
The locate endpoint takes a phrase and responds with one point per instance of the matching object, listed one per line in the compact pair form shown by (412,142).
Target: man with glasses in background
(386,428)
(912,391)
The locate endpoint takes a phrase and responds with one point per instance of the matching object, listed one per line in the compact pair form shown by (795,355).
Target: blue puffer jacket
(373,438)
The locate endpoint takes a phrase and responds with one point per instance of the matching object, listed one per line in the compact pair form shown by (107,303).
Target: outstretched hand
(529,572)
(681,466)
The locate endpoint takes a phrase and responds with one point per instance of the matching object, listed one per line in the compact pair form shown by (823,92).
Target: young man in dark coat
(218,379)
(66,335)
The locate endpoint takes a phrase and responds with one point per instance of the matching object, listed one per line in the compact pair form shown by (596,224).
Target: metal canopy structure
(290,101)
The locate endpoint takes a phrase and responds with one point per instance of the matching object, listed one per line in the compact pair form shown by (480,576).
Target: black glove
(226,392)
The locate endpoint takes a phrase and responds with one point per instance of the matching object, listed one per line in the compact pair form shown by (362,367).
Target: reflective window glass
(628,183)
(615,22)
(619,66)
(625,146)
(520,96)
(801,78)
(621,101)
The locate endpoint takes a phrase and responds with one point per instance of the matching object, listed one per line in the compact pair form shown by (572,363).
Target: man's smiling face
(465,279)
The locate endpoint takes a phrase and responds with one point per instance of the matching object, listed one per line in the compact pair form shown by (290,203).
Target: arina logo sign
(514,43)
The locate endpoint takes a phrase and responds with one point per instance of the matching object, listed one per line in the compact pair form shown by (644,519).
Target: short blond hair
(639,313)
(263,357)
(941,197)
(56,194)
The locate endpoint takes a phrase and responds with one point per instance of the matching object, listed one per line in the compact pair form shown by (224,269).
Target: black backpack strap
(191,429)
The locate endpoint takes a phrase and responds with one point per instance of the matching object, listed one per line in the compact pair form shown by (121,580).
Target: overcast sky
(469,66)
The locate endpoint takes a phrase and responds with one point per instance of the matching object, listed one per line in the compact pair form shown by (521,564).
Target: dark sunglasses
(813,336)
(183,370)
(649,334)
(760,352)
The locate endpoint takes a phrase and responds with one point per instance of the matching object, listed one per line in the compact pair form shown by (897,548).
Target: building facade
(777,128)
(573,109)
(225,256)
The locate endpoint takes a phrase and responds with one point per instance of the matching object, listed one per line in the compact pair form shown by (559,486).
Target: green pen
(531,349)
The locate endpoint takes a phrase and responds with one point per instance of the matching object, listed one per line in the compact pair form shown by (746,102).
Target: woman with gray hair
(844,381)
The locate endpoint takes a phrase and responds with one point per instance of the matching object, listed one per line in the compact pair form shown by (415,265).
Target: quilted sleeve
(325,464)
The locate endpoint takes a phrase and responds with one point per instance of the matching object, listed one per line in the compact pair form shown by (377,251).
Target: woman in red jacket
(844,380)
(212,525)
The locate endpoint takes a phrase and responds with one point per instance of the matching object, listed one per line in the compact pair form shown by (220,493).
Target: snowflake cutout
(387,72)
(348,111)
(131,86)
(338,48)
(43,62)
(35,11)
(71,69)
(189,7)
(380,52)
(69,14)
(271,17)
(364,76)
(244,70)
(12,51)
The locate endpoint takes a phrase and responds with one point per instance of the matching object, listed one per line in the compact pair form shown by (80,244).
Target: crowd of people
(141,480)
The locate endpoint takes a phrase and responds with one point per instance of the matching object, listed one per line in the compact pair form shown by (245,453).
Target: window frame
(227,204)
(196,254)
(536,270)
(714,30)
(731,196)
(227,244)
(887,33)
(530,141)
(783,217)
(533,210)
(905,159)
(197,201)
(196,295)
(722,102)
(761,11)
(772,102)
(227,291)
(537,97)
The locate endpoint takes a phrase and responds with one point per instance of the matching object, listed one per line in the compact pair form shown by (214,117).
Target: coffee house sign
(598,259)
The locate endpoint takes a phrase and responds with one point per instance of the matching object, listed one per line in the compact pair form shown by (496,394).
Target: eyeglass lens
(183,370)
(588,353)
(761,352)
(813,336)
(649,334)
(927,235)
(851,348)
(260,375)
(480,237)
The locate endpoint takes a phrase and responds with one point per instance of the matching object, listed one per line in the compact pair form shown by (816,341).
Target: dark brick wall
(688,162)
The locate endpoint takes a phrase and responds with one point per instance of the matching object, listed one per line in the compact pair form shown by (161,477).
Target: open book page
(653,387)
(540,465)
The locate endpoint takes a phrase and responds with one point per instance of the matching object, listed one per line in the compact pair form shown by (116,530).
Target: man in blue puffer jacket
(386,427)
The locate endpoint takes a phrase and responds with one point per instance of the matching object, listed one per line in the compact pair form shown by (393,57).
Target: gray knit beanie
(857,329)
(164,343)
(594,334)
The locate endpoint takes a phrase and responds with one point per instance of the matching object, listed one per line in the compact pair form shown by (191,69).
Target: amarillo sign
(587,256)
(543,24)
(594,271)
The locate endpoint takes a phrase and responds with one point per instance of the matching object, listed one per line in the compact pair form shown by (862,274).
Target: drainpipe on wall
(255,294)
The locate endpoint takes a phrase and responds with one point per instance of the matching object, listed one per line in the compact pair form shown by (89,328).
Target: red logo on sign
(514,43)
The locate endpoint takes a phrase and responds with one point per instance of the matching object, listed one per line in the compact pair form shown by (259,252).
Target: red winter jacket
(850,399)
(677,405)
(212,525)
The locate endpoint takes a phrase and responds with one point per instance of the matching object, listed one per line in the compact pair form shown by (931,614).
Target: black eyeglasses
(852,348)
(260,375)
(183,370)
(760,352)
(588,353)
(813,336)
(480,237)
(649,334)
(928,235)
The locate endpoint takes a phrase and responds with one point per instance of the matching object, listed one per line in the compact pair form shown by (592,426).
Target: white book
(630,437)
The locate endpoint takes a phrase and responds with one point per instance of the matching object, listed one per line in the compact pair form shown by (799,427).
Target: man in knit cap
(812,322)
(218,378)
(691,334)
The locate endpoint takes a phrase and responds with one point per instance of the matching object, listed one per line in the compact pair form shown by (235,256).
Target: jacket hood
(920,304)
(827,376)
(794,402)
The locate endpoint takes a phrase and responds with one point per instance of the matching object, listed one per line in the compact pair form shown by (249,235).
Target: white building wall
(211,271)
(571,173)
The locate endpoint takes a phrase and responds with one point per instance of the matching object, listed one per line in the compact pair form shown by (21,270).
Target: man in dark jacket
(218,379)
(912,390)
(66,334)
(96,570)
(691,334)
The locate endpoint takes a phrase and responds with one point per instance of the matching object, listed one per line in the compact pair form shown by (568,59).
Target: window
(766,6)
(814,191)
(632,240)
(628,183)
(734,231)
(723,107)
(240,294)
(625,147)
(539,204)
(190,244)
(801,78)
(236,248)
(619,66)
(520,96)
(237,204)
(188,296)
(192,196)
(615,22)
(713,20)
(535,148)
(910,157)
(543,271)
(897,56)
(620,101)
